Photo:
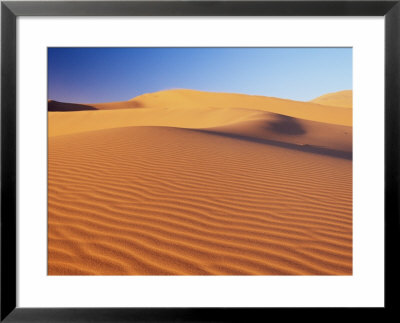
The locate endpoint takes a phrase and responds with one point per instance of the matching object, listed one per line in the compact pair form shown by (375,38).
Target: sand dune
(280,130)
(70,107)
(67,107)
(178,100)
(254,125)
(338,99)
(200,190)
(82,121)
(193,109)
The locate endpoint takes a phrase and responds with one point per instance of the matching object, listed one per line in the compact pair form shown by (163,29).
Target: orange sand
(212,185)
(338,99)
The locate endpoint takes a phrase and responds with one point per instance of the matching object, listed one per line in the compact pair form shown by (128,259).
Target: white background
(364,288)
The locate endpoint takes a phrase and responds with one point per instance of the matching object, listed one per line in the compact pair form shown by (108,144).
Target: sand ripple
(169,201)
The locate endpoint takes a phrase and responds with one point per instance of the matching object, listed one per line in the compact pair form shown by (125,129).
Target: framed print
(198,161)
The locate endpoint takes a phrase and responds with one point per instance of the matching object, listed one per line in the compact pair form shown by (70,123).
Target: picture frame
(11,10)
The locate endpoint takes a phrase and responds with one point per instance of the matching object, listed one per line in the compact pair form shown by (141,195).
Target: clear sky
(92,75)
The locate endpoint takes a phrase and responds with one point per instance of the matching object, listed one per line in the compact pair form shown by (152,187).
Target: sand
(186,109)
(261,187)
(338,99)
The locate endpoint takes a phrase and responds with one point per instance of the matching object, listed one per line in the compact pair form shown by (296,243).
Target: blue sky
(91,75)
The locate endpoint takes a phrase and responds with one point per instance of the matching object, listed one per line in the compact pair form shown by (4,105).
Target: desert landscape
(187,182)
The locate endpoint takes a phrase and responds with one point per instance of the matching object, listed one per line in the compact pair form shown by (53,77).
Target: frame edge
(203,8)
(392,154)
(8,161)
(8,308)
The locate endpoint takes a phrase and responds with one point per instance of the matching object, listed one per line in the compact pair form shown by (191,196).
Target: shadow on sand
(305,148)
(286,126)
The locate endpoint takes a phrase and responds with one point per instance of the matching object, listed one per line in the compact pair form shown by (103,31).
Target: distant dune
(342,99)
(69,107)
(194,183)
(190,99)
(192,109)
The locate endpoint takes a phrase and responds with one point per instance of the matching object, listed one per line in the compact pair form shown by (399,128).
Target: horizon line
(187,89)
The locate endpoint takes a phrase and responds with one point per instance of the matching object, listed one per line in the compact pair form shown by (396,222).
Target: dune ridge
(191,190)
(338,99)
(243,124)
(182,99)
(57,106)
(192,109)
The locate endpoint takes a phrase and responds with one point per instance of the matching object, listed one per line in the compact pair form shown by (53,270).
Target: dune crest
(67,107)
(186,109)
(192,99)
(342,99)
(70,107)
(185,99)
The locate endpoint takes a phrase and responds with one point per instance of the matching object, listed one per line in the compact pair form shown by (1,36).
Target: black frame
(10,10)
